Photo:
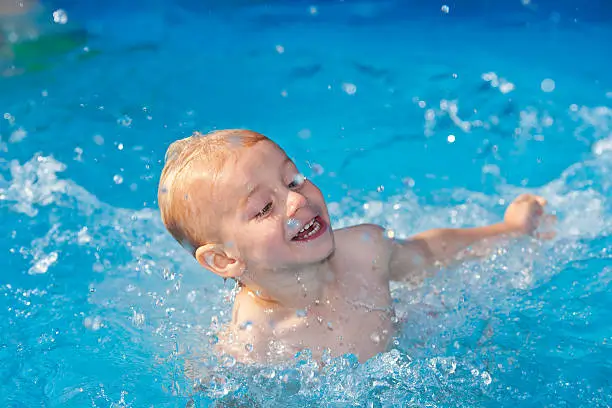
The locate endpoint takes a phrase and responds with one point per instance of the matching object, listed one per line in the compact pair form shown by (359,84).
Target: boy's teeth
(314,224)
(314,230)
(305,227)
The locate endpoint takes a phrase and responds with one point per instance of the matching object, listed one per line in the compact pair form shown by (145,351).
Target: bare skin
(328,290)
(351,314)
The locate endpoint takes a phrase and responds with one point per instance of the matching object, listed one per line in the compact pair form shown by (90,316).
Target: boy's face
(274,217)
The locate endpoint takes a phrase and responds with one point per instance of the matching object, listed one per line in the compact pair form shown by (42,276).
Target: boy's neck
(310,285)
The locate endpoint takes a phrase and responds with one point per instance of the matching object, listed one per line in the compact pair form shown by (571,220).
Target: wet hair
(207,154)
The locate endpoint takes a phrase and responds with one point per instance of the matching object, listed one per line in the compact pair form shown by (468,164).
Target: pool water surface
(406,114)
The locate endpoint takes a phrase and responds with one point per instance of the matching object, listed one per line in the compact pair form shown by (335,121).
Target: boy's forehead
(240,175)
(252,160)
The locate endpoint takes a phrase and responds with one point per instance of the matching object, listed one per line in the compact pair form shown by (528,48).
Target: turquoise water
(403,114)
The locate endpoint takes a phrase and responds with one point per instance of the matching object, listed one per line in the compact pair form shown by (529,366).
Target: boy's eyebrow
(254,191)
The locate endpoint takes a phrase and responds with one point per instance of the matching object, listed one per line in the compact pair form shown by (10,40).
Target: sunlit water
(412,117)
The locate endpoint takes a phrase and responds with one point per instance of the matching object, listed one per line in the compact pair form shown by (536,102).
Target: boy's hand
(525,214)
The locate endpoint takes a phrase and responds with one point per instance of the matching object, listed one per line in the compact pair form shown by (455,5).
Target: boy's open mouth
(313,229)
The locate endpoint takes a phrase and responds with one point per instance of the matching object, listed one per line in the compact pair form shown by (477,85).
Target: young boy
(239,204)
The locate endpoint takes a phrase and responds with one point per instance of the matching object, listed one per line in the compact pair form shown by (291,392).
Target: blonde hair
(192,225)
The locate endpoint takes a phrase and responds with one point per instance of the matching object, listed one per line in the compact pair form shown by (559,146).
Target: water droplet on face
(330,326)
(319,319)
(299,179)
(300,313)
(212,340)
(375,337)
(248,347)
(293,225)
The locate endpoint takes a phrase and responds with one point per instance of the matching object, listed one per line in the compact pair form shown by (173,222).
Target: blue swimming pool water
(99,307)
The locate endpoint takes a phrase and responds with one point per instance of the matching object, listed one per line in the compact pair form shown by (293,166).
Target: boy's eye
(265,210)
(297,181)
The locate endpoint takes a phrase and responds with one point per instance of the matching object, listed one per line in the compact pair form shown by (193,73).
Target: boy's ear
(214,258)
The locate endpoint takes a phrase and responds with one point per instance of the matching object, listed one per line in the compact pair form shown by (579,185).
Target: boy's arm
(420,256)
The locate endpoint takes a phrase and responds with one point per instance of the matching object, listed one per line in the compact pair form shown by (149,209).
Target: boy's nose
(295,201)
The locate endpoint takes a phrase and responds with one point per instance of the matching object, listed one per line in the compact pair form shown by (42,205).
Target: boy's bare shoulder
(366,235)
(363,244)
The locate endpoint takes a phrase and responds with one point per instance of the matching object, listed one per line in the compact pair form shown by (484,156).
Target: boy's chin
(320,255)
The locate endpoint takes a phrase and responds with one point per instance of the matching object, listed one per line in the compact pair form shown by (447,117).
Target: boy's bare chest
(361,326)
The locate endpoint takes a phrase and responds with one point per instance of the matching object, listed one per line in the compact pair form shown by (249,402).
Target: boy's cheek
(260,241)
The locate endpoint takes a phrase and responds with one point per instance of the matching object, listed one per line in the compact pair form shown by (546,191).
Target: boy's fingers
(522,198)
(547,222)
(539,210)
(550,218)
(541,200)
